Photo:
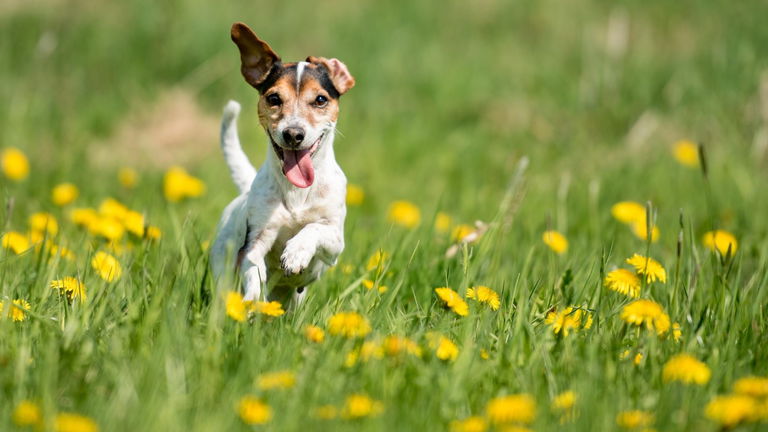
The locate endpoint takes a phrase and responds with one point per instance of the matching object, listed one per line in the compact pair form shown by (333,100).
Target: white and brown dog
(287,226)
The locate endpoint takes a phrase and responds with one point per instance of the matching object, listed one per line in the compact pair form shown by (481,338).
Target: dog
(287,224)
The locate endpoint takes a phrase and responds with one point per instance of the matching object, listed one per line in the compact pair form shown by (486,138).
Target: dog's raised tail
(240,167)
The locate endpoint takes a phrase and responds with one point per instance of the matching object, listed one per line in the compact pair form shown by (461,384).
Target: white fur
(293,234)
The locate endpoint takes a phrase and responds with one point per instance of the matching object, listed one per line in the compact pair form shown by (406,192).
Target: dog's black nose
(293,136)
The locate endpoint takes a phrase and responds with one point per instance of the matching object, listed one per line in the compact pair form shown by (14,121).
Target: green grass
(449,99)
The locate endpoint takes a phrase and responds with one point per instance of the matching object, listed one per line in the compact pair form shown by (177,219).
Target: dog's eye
(274,99)
(321,101)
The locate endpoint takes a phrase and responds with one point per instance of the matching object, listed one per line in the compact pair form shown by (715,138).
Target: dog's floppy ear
(337,71)
(256,57)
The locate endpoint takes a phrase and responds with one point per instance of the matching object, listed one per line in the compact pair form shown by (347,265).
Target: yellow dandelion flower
(113,208)
(273,308)
(83,216)
(634,419)
(461,231)
(106,266)
(754,386)
(731,410)
(404,213)
(43,222)
(253,411)
(107,227)
(134,223)
(360,405)
(377,261)
(516,408)
(27,413)
(564,401)
(469,424)
(720,241)
(325,412)
(484,354)
(514,428)
(570,318)
(453,300)
(235,306)
(677,332)
(64,193)
(369,350)
(640,229)
(18,309)
(628,212)
(686,152)
(16,241)
(71,422)
(394,346)
(276,380)
(14,164)
(443,222)
(314,334)
(638,359)
(153,233)
(71,287)
(445,349)
(687,369)
(62,252)
(648,313)
(369,284)
(128,177)
(349,325)
(178,184)
(486,295)
(649,267)
(355,195)
(624,282)
(556,241)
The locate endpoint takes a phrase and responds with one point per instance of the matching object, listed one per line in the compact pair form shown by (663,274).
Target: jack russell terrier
(287,225)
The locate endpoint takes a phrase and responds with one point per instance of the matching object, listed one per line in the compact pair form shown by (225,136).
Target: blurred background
(449,95)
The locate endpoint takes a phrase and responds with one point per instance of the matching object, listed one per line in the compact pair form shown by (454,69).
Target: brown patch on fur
(173,130)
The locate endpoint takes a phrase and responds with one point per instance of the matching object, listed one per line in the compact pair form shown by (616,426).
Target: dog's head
(299,102)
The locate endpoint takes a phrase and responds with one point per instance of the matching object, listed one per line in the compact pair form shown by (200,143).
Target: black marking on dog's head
(320,73)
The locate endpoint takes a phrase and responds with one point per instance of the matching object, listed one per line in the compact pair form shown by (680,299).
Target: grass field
(526,115)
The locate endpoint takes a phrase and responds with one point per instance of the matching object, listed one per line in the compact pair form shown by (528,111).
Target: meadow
(518,153)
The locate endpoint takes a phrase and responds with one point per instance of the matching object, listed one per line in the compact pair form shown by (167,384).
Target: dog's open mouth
(297,164)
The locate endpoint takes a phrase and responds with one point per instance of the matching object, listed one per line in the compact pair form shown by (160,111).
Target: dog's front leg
(319,240)
(253,268)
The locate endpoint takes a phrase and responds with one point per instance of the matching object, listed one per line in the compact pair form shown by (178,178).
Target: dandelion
(453,300)
(83,216)
(756,387)
(444,348)
(106,266)
(253,411)
(628,212)
(349,325)
(404,213)
(113,208)
(276,380)
(443,222)
(128,177)
(720,241)
(568,319)
(16,242)
(640,229)
(624,282)
(394,346)
(677,332)
(355,195)
(648,313)
(325,412)
(486,295)
(27,413)
(18,309)
(314,334)
(469,424)
(634,419)
(107,227)
(731,410)
(43,222)
(71,422)
(273,308)
(516,408)
(686,152)
(71,287)
(377,260)
(235,306)
(360,405)
(369,284)
(460,232)
(134,223)
(565,403)
(484,354)
(14,164)
(649,267)
(64,193)
(556,241)
(687,369)
(178,184)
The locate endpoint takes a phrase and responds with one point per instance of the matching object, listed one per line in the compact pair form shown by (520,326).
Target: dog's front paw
(296,257)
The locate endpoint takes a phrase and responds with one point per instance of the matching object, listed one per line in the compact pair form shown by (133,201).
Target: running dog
(287,225)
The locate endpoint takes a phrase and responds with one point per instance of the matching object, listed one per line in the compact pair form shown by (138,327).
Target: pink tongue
(297,167)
